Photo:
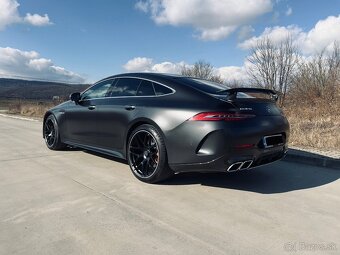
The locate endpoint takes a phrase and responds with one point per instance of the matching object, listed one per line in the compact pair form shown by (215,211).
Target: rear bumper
(215,146)
(236,161)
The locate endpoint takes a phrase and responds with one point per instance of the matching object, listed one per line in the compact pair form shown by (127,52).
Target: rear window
(211,87)
(125,87)
(161,90)
(204,85)
(146,89)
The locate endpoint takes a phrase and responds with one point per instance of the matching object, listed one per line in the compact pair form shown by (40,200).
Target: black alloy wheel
(51,134)
(147,155)
(144,153)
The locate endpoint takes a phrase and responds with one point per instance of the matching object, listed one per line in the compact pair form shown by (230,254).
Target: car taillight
(221,116)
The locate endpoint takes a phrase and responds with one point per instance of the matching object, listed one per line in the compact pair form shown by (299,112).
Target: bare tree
(287,59)
(333,62)
(263,68)
(203,70)
(319,77)
(272,65)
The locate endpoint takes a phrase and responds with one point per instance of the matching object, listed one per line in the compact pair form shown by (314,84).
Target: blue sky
(69,40)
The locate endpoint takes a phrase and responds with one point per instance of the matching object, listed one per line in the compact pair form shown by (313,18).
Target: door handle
(91,107)
(129,107)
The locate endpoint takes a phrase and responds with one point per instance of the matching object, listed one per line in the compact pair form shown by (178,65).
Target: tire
(146,154)
(52,134)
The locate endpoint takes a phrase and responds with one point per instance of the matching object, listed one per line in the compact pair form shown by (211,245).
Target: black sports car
(165,124)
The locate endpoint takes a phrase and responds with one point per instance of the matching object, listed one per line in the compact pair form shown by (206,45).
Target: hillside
(24,89)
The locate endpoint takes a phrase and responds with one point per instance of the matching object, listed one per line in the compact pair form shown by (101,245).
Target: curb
(19,117)
(311,159)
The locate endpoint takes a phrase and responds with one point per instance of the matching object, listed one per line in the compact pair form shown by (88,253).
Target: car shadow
(313,158)
(278,177)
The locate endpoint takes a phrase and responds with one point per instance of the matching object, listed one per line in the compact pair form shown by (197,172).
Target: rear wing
(232,93)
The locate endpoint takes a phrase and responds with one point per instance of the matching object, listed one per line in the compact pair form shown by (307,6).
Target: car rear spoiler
(232,93)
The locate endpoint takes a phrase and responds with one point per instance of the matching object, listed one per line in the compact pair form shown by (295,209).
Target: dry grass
(316,125)
(29,108)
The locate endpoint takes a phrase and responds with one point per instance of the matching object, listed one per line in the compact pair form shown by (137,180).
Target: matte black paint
(104,125)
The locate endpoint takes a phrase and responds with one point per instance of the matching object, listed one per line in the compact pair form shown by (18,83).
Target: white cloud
(168,67)
(289,11)
(213,19)
(321,36)
(139,64)
(9,14)
(275,34)
(233,73)
(37,20)
(142,64)
(215,34)
(29,64)
(39,64)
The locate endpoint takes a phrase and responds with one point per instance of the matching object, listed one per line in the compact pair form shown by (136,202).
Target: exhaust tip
(240,165)
(234,167)
(246,164)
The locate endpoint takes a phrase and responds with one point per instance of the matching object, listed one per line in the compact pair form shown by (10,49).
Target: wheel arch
(47,114)
(136,123)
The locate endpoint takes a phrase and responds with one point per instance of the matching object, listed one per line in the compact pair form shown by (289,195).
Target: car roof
(156,75)
(160,77)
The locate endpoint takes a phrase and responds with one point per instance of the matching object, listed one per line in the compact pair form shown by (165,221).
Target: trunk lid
(261,102)
(258,107)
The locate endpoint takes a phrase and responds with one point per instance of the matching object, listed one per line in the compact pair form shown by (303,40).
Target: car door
(81,117)
(121,111)
(102,118)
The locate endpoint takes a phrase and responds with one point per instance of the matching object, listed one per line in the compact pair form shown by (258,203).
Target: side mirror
(75,97)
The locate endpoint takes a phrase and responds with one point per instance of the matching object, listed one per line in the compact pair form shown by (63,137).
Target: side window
(125,87)
(98,91)
(161,90)
(145,89)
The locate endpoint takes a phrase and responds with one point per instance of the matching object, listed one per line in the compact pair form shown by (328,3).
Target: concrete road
(75,202)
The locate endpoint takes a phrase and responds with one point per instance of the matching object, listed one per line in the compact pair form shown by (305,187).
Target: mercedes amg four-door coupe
(165,124)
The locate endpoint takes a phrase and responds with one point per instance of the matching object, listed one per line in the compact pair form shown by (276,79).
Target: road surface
(75,202)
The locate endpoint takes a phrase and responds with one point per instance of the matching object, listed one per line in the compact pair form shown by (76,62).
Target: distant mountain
(25,89)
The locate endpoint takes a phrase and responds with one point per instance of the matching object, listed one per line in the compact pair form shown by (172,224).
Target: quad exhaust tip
(240,165)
